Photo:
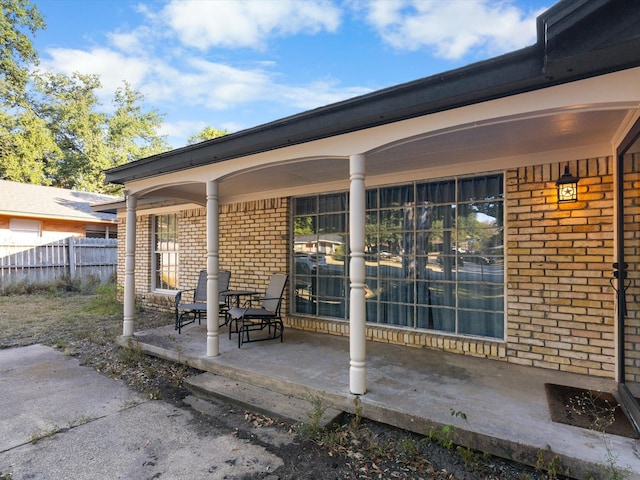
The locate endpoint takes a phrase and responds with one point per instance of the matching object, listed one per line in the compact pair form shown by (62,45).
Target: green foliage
(64,285)
(313,428)
(132,355)
(106,300)
(444,436)
(459,414)
(62,138)
(18,21)
(551,464)
(304,226)
(53,129)
(35,437)
(207,133)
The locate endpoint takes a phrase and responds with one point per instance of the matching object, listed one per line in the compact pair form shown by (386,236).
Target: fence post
(72,258)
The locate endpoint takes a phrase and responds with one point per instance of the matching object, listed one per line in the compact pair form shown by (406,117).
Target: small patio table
(231,294)
(236,294)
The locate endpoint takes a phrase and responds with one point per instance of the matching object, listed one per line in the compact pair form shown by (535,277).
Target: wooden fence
(76,258)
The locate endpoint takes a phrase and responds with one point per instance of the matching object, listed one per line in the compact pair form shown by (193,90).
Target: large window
(434,256)
(165,252)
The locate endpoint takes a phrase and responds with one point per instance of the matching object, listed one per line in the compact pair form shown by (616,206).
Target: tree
(132,133)
(18,20)
(61,137)
(53,130)
(17,54)
(25,147)
(67,107)
(207,133)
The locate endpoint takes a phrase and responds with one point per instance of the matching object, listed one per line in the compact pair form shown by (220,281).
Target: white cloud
(250,23)
(112,67)
(316,94)
(131,42)
(182,128)
(195,82)
(220,86)
(452,28)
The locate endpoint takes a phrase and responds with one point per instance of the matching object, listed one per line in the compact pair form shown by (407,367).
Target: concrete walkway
(60,420)
(416,389)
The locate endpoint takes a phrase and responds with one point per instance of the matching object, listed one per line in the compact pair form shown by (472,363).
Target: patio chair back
(224,279)
(200,294)
(275,290)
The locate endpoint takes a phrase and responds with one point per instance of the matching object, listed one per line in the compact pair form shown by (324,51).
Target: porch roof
(577,39)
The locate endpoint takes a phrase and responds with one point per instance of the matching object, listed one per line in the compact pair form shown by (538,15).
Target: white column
(130,267)
(213,338)
(357,307)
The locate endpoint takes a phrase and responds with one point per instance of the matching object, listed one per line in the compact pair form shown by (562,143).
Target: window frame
(408,304)
(173,267)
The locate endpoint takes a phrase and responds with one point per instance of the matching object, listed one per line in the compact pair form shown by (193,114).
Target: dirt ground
(85,326)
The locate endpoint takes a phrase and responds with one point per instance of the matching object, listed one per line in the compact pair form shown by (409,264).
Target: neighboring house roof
(577,39)
(37,201)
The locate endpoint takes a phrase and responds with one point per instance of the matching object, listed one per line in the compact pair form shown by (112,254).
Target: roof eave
(445,91)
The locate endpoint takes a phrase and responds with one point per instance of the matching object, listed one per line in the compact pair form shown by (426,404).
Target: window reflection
(433,255)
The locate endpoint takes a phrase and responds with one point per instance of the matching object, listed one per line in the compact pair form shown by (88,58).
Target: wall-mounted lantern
(567,186)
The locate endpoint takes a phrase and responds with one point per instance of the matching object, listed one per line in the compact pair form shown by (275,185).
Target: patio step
(257,399)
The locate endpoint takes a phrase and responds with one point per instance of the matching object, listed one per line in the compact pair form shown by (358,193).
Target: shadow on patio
(415,389)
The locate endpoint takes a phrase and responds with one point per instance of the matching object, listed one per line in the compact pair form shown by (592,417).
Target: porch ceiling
(500,143)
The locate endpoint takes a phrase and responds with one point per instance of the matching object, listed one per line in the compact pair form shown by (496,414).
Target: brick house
(427,214)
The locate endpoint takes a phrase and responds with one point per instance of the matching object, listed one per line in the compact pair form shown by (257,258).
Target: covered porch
(419,390)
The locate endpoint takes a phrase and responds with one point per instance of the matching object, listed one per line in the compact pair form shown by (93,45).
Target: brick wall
(560,303)
(254,242)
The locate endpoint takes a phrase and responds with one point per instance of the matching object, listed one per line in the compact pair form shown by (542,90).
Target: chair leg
(231,320)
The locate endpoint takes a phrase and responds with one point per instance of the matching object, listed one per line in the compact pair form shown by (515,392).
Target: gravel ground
(355,449)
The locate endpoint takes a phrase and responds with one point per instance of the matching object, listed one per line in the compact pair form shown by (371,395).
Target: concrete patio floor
(415,389)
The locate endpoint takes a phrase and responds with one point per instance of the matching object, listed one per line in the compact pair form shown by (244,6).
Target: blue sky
(235,64)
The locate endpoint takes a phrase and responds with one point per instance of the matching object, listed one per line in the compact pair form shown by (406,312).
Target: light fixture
(567,186)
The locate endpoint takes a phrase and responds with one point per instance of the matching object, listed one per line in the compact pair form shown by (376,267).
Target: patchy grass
(59,319)
(86,326)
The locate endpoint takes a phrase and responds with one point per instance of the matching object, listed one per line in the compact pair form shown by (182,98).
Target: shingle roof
(23,199)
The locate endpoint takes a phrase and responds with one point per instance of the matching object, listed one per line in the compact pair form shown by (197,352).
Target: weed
(356,421)
(601,415)
(468,456)
(154,394)
(132,355)
(130,404)
(459,414)
(444,436)
(5,476)
(40,434)
(410,446)
(80,420)
(551,464)
(106,300)
(313,428)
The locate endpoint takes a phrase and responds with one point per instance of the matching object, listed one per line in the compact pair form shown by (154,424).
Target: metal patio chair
(187,313)
(252,319)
